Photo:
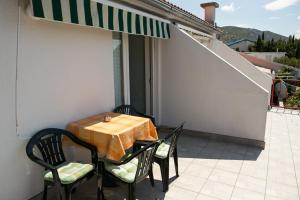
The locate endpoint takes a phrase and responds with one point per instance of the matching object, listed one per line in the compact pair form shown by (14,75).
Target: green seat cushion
(70,172)
(162,150)
(125,172)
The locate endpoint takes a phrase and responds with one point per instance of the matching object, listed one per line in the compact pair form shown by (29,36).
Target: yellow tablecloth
(114,137)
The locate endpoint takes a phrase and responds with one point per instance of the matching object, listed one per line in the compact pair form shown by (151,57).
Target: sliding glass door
(133,71)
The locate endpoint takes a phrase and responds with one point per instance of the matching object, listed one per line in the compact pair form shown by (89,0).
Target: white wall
(65,72)
(269,56)
(209,93)
(242,64)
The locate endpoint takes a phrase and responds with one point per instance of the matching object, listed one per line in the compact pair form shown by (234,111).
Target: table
(113,138)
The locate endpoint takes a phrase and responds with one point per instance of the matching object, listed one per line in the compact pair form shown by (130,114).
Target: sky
(279,16)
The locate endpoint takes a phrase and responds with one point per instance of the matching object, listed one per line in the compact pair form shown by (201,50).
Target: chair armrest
(47,166)
(138,144)
(135,154)
(168,136)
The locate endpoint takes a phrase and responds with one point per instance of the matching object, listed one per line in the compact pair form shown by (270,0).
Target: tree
(297,54)
(259,44)
(273,45)
(263,36)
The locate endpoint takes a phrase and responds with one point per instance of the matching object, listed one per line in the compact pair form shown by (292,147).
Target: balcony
(212,170)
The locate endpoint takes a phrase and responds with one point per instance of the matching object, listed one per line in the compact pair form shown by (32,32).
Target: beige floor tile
(268,197)
(206,160)
(251,183)
(254,171)
(198,170)
(178,193)
(217,190)
(242,194)
(282,191)
(230,165)
(281,176)
(222,176)
(205,197)
(190,182)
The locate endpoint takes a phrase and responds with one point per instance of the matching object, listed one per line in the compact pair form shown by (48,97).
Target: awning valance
(96,14)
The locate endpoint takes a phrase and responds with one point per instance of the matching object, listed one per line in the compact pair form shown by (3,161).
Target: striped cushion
(162,150)
(124,172)
(70,172)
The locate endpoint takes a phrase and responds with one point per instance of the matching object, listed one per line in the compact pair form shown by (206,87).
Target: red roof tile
(261,62)
(187,12)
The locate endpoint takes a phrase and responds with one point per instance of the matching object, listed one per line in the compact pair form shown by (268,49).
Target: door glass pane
(137,72)
(118,68)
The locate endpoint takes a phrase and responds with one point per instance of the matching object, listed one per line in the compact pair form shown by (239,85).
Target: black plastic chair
(143,153)
(49,143)
(130,110)
(169,143)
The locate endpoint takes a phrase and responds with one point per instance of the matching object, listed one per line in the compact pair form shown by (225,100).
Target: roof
(238,41)
(189,13)
(261,62)
(173,13)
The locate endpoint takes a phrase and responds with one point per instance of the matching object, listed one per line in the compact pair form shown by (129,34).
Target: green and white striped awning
(92,13)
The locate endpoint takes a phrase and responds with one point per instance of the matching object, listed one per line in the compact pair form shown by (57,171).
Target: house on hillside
(65,60)
(241,45)
(264,65)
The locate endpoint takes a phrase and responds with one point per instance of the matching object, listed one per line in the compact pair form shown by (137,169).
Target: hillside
(233,33)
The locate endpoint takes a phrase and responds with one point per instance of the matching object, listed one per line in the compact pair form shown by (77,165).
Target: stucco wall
(242,64)
(269,56)
(207,92)
(65,73)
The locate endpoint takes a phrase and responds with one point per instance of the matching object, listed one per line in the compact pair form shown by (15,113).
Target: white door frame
(148,75)
(126,76)
(148,71)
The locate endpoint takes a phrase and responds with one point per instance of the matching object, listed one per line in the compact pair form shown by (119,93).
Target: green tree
(263,36)
(273,45)
(297,54)
(259,44)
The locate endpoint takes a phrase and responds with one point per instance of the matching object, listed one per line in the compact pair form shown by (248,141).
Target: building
(241,45)
(269,56)
(61,61)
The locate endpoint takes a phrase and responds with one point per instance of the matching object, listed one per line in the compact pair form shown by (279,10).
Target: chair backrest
(49,143)
(126,109)
(174,137)
(145,160)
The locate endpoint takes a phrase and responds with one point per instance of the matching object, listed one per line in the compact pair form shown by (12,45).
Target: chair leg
(164,169)
(60,192)
(151,176)
(166,177)
(45,192)
(100,174)
(131,191)
(175,155)
(152,183)
(68,194)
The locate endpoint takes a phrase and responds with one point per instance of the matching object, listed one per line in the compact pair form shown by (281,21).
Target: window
(118,68)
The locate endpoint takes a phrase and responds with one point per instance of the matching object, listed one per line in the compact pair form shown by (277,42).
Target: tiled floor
(211,170)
